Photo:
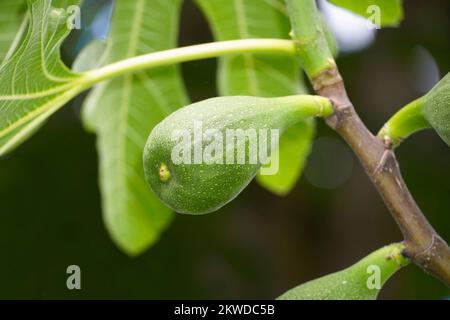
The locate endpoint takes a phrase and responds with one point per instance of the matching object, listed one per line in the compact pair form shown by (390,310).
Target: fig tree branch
(423,244)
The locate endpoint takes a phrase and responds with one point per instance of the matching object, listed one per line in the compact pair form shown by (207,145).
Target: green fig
(429,111)
(203,155)
(361,281)
(437,108)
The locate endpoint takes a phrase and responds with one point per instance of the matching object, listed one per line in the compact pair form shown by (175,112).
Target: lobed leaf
(34,82)
(261,75)
(12,17)
(123,112)
(391,11)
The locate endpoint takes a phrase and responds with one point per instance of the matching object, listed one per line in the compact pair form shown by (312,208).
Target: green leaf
(391,11)
(12,14)
(361,281)
(123,112)
(261,74)
(293,155)
(64,4)
(34,82)
(14,22)
(93,56)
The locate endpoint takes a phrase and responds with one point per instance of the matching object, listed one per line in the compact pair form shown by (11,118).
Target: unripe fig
(437,108)
(362,281)
(429,111)
(203,155)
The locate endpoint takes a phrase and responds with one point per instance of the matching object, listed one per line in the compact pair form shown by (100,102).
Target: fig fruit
(362,281)
(203,155)
(429,111)
(436,108)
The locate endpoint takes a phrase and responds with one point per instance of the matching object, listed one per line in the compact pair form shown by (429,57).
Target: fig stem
(404,123)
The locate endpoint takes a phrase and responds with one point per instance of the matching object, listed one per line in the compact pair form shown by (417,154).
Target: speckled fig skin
(437,108)
(352,283)
(204,188)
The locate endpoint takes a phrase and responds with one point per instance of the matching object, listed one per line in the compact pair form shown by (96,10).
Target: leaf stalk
(189,53)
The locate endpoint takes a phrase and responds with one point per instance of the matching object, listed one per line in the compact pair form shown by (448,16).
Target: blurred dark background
(260,245)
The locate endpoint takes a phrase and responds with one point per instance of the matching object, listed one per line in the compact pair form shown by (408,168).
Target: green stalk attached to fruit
(428,112)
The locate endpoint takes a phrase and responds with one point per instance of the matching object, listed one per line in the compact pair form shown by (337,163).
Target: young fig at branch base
(430,111)
(361,281)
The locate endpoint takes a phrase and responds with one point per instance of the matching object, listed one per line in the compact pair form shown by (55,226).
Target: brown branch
(423,245)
